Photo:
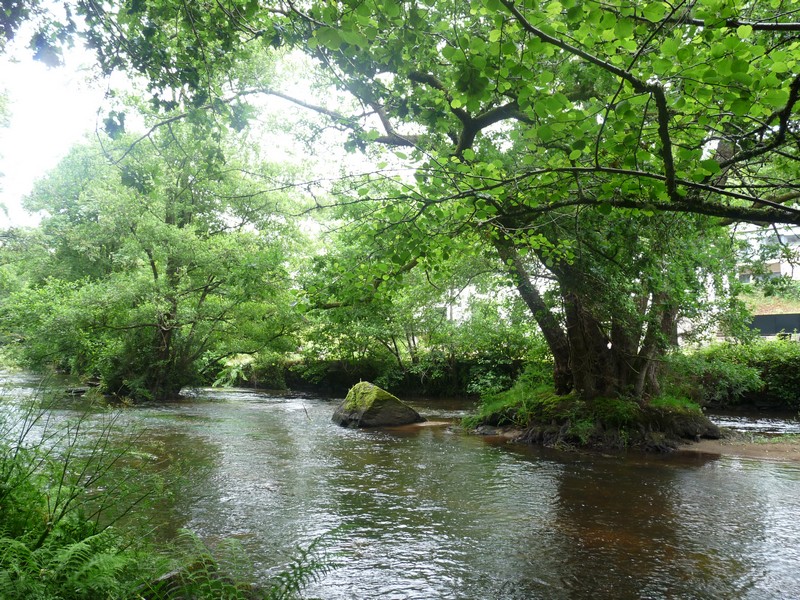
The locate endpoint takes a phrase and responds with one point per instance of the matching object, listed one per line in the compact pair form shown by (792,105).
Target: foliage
(57,501)
(609,105)
(309,565)
(433,337)
(762,372)
(675,403)
(262,370)
(223,572)
(530,399)
(593,150)
(712,377)
(500,169)
(567,421)
(149,274)
(52,28)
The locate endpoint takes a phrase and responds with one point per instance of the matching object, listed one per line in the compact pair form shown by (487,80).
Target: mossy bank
(543,418)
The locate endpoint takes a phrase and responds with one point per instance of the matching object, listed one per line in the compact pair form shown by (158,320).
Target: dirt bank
(784,448)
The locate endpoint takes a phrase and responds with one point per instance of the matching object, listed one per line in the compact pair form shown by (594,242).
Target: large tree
(149,271)
(674,107)
(522,117)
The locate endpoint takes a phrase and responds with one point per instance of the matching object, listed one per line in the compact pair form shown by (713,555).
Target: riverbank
(783,448)
(732,443)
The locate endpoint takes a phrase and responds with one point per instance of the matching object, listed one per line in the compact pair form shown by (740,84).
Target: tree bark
(552,330)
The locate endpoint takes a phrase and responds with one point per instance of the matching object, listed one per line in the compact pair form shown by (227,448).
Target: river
(433,512)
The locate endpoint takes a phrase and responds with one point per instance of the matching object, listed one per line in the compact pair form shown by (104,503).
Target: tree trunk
(592,363)
(593,355)
(548,322)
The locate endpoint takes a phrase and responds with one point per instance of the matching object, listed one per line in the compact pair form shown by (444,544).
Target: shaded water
(434,513)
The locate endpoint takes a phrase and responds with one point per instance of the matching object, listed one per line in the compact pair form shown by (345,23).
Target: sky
(51,110)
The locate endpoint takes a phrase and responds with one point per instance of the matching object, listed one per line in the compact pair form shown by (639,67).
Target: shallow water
(755,423)
(433,512)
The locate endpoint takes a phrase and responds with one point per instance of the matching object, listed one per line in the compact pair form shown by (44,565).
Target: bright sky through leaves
(50,110)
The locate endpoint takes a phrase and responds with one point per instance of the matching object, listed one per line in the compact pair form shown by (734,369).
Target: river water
(432,512)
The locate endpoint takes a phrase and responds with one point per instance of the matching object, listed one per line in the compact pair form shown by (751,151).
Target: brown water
(436,513)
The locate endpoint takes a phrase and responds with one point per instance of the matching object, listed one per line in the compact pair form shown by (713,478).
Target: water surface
(432,512)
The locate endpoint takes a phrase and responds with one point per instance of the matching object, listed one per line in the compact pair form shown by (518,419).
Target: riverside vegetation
(562,175)
(66,533)
(578,156)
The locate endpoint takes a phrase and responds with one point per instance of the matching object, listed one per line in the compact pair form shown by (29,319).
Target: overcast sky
(51,109)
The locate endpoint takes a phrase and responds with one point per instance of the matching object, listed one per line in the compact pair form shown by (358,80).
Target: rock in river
(367,405)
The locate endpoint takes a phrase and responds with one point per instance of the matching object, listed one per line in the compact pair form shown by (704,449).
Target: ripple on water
(432,513)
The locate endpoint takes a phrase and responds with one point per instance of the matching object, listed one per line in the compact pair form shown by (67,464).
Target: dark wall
(774,324)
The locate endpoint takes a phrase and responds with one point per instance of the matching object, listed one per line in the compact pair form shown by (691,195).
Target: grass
(677,403)
(760,304)
(609,423)
(784,438)
(520,406)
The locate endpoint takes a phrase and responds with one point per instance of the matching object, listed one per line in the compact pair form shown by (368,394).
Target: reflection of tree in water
(178,465)
(626,525)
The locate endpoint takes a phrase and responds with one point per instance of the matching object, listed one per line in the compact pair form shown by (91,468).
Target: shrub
(779,365)
(728,374)
(712,376)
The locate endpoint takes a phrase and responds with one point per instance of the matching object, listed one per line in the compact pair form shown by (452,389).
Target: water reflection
(433,513)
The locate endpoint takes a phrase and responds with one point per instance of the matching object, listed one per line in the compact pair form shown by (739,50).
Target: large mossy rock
(367,405)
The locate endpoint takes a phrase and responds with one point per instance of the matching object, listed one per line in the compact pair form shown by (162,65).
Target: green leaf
(330,38)
(710,165)
(740,107)
(670,47)
(545,133)
(740,66)
(776,98)
(354,38)
(624,28)
(744,31)
(655,11)
(609,21)
(391,8)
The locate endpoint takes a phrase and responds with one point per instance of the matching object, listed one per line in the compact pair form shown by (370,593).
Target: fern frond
(309,566)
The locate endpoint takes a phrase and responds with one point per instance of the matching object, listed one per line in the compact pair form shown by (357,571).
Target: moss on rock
(367,405)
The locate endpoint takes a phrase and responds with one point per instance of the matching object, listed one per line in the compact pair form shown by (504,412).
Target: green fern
(51,550)
(309,566)
(83,570)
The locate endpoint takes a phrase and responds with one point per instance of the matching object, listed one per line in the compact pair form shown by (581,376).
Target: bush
(711,377)
(764,373)
(779,366)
